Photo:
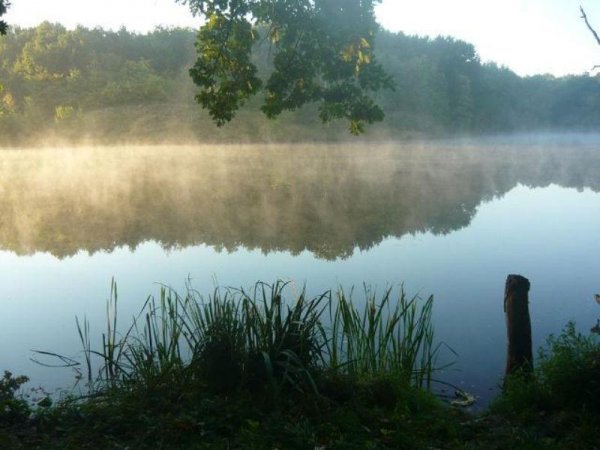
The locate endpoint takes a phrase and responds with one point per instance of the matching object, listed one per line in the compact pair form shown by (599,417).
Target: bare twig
(587,23)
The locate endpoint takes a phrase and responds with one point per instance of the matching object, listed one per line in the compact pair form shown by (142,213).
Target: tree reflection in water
(328,199)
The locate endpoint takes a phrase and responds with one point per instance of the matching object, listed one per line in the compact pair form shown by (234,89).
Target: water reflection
(399,201)
(329,200)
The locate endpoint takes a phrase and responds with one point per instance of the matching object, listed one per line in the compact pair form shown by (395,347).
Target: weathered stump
(518,325)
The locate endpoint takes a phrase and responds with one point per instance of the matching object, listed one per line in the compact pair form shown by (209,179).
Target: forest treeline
(116,86)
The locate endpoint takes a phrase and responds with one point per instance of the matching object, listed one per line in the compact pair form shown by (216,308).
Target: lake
(450,219)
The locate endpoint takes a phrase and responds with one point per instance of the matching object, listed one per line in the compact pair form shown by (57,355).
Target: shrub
(569,369)
(565,378)
(13,408)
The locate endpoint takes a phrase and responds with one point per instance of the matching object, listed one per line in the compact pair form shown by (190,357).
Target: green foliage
(388,337)
(12,407)
(64,112)
(4,4)
(183,417)
(49,66)
(260,342)
(136,83)
(2,104)
(223,69)
(218,342)
(557,408)
(3,28)
(283,343)
(322,53)
(569,369)
(242,369)
(565,378)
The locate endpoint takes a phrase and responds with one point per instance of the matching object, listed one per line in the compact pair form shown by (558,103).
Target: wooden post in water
(518,325)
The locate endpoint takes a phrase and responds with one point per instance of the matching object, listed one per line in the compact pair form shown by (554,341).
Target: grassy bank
(257,369)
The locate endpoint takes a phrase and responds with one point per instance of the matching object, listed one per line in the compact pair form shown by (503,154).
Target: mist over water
(324,199)
(450,219)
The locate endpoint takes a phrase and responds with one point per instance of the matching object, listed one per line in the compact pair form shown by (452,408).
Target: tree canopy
(322,52)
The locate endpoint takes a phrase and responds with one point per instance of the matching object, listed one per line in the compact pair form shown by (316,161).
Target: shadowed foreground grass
(257,370)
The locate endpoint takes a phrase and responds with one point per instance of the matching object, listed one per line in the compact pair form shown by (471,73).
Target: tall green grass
(262,340)
(386,336)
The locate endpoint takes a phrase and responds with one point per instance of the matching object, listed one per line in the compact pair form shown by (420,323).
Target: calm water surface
(450,219)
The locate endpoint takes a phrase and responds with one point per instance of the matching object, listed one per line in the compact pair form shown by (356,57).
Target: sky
(528,36)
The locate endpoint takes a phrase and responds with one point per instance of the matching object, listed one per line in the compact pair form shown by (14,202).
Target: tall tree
(322,52)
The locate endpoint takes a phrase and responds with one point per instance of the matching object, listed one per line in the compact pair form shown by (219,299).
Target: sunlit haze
(528,36)
(386,170)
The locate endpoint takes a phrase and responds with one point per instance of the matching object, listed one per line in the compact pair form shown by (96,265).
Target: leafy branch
(322,54)
(4,4)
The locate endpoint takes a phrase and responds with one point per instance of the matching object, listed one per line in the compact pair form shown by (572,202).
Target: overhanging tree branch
(323,54)
(4,4)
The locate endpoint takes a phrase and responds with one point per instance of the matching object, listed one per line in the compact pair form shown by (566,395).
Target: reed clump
(263,341)
(254,368)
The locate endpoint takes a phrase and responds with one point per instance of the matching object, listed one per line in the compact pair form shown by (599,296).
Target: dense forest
(94,85)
